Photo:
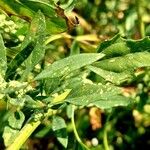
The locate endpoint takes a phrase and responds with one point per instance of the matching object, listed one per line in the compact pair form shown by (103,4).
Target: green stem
(105,139)
(75,131)
(140,21)
(23,135)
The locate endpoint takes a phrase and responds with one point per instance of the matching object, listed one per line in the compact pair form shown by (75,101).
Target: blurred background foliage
(126,128)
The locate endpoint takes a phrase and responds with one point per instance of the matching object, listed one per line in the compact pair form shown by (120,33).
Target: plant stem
(23,135)
(75,131)
(140,21)
(105,140)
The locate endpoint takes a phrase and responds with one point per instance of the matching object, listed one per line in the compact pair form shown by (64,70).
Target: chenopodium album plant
(31,96)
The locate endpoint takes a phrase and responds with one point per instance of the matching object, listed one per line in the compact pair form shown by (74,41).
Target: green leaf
(69,5)
(116,49)
(129,62)
(15,122)
(69,111)
(9,135)
(39,50)
(18,60)
(67,65)
(3,59)
(16,8)
(60,98)
(102,96)
(27,46)
(36,34)
(16,119)
(107,43)
(56,25)
(36,5)
(59,127)
(32,104)
(118,46)
(115,101)
(75,49)
(116,78)
(50,84)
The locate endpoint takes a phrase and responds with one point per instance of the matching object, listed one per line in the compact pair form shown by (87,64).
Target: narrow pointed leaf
(13,7)
(118,46)
(18,60)
(59,127)
(116,78)
(128,62)
(36,5)
(3,59)
(67,65)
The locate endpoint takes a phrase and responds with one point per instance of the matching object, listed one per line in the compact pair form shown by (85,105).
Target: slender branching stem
(75,131)
(140,20)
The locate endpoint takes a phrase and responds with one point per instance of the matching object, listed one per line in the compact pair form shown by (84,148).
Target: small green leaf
(15,122)
(67,65)
(51,84)
(70,110)
(69,5)
(3,59)
(56,25)
(75,49)
(59,127)
(16,119)
(60,98)
(18,60)
(9,135)
(113,77)
(107,43)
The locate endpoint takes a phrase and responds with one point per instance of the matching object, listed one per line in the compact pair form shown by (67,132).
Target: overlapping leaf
(3,59)
(33,45)
(15,122)
(122,58)
(102,96)
(59,127)
(67,65)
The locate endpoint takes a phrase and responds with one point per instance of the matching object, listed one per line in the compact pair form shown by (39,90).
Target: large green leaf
(59,127)
(3,59)
(102,96)
(122,58)
(129,62)
(55,23)
(67,65)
